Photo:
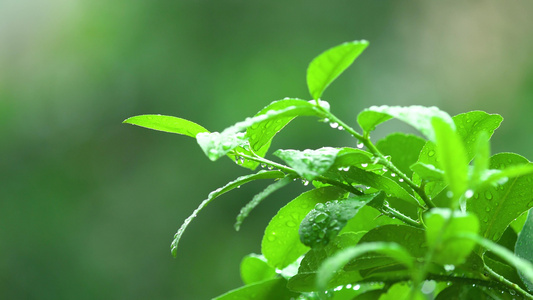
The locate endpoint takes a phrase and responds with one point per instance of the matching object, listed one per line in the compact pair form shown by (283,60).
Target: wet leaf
(309,163)
(254,268)
(428,172)
(404,150)
(524,247)
(263,290)
(167,124)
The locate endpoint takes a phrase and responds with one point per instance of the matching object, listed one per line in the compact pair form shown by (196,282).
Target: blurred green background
(88,206)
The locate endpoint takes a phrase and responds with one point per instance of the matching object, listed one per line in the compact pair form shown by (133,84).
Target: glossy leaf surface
(417,116)
(254,268)
(326,67)
(214,194)
(404,150)
(264,290)
(167,124)
(281,242)
(309,163)
(524,247)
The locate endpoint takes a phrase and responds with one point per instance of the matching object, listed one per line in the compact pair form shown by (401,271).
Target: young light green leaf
(264,290)
(326,67)
(348,157)
(254,268)
(309,163)
(260,134)
(428,172)
(497,207)
(167,124)
(404,150)
(366,219)
(452,156)
(482,159)
(441,232)
(216,145)
(326,220)
(336,262)
(381,183)
(245,211)
(524,266)
(524,247)
(402,291)
(417,116)
(281,242)
(228,187)
(468,127)
(507,173)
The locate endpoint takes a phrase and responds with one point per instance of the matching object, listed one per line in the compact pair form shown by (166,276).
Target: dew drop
(271,238)
(487,209)
(263,165)
(360,145)
(346,169)
(469,194)
(488,195)
(449,268)
(385,170)
(431,153)
(334,124)
(270,167)
(291,224)
(305,182)
(449,194)
(364,165)
(393,174)
(340,128)
(321,218)
(356,287)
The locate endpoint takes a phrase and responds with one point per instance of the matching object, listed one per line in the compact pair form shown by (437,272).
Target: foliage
(405,217)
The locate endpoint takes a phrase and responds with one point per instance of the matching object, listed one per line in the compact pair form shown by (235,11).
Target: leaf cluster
(429,216)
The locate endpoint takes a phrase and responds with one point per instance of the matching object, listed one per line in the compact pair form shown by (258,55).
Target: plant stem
(508,284)
(372,148)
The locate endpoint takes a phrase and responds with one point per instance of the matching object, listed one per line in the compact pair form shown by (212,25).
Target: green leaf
(326,220)
(389,186)
(366,219)
(524,247)
(452,156)
(214,194)
(336,262)
(468,127)
(216,145)
(254,268)
(417,116)
(525,267)
(167,124)
(281,242)
(482,159)
(245,211)
(330,64)
(348,157)
(402,291)
(309,163)
(428,172)
(404,150)
(497,207)
(264,290)
(260,134)
(441,230)
(409,238)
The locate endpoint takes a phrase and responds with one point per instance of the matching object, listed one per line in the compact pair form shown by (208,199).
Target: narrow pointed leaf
(245,211)
(326,67)
(417,116)
(524,247)
(452,156)
(167,124)
(214,194)
(281,242)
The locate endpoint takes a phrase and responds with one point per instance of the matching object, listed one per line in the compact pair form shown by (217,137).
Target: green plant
(403,218)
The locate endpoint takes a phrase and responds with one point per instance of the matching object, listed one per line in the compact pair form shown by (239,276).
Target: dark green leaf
(524,247)
(309,163)
(264,290)
(167,124)
(336,262)
(404,150)
(452,158)
(245,211)
(417,116)
(228,187)
(497,207)
(441,232)
(254,268)
(330,64)
(326,220)
(281,242)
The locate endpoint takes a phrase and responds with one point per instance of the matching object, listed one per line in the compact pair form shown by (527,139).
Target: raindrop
(356,287)
(431,153)
(270,167)
(338,288)
(348,286)
(449,194)
(385,170)
(487,209)
(241,160)
(271,238)
(305,182)
(469,194)
(291,224)
(340,128)
(334,124)
(321,218)
(326,120)
(263,165)
(392,174)
(360,145)
(346,169)
(400,180)
(488,195)
(449,268)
